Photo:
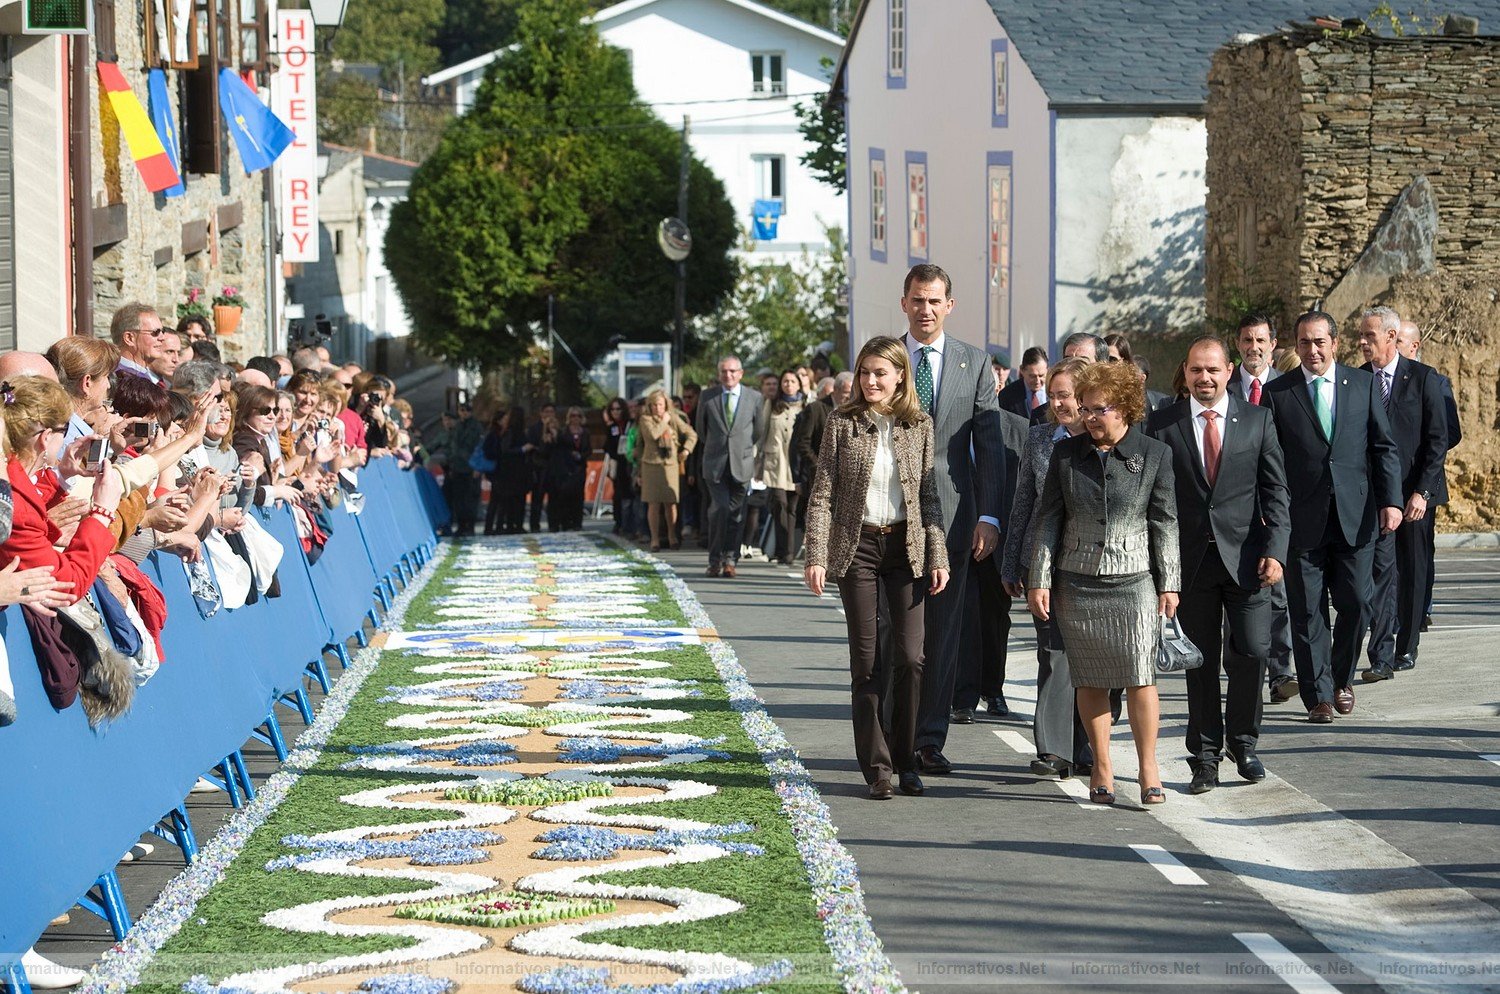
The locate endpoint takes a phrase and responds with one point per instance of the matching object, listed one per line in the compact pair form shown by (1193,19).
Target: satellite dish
(674,238)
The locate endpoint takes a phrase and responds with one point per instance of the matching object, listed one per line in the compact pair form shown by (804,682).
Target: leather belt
(883,529)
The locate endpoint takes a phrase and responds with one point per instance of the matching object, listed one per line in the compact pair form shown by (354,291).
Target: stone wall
(1311,140)
(150,262)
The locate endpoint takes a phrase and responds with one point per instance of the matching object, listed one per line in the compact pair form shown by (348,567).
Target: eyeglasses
(1095,412)
(153,332)
(264,410)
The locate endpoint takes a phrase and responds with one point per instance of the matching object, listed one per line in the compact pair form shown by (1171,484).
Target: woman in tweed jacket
(1105,559)
(1062,746)
(872,522)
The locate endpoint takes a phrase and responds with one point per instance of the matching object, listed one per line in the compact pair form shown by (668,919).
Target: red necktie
(1210,446)
(1255,391)
(1036,401)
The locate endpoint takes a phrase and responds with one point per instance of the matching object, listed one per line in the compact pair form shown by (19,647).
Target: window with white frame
(768,74)
(998,187)
(877,207)
(895,65)
(770,178)
(916,208)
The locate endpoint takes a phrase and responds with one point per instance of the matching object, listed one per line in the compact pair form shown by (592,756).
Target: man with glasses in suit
(727,424)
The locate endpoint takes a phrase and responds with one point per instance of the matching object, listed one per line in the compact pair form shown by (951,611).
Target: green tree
(551,187)
(821,122)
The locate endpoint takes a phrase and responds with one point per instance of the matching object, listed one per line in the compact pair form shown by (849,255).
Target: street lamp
(328,14)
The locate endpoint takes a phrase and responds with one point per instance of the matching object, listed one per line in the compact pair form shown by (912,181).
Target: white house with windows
(734,68)
(1049,155)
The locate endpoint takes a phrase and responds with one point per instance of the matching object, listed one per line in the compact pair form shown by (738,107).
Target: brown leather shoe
(1343,700)
(713,571)
(881,790)
(729,571)
(1321,713)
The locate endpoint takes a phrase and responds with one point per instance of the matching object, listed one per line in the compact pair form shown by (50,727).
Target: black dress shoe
(961,716)
(880,790)
(1205,778)
(911,784)
(1051,766)
(1404,663)
(1376,673)
(997,707)
(931,760)
(1283,689)
(1426,622)
(1250,767)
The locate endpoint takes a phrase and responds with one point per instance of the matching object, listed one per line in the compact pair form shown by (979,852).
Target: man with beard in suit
(1233,531)
(1345,491)
(1413,399)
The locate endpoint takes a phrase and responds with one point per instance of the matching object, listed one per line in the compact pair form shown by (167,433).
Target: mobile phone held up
(96,453)
(141,432)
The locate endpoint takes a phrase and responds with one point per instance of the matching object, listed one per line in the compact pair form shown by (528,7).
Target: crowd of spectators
(149,443)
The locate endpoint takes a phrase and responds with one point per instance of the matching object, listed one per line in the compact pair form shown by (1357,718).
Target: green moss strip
(527,792)
(504,909)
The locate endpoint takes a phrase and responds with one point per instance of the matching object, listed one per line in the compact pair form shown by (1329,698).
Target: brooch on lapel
(1135,463)
(963,365)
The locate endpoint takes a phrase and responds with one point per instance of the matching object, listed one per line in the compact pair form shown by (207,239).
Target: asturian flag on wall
(151,160)
(166,125)
(259,135)
(767,216)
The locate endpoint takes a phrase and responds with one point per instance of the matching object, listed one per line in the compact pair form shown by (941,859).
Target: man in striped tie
(1412,394)
(1345,485)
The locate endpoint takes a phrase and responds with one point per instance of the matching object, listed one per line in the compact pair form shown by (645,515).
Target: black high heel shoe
(1051,766)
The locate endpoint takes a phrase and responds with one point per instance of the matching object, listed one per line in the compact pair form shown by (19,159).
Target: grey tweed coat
(836,506)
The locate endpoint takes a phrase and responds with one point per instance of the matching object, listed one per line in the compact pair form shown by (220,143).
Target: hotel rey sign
(294,98)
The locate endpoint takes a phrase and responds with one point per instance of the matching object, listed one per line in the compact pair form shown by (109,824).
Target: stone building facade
(153,248)
(1367,170)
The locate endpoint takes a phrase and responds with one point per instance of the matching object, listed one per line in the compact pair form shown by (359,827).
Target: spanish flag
(145,147)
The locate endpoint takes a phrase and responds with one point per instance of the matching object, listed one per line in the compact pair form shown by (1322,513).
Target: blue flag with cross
(767,214)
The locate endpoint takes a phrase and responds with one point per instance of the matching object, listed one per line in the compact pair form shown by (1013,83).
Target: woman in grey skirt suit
(1106,562)
(1061,744)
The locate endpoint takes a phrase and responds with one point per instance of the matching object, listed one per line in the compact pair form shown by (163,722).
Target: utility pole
(401,103)
(679,332)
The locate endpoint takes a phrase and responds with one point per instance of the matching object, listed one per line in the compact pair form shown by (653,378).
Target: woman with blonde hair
(873,524)
(774,466)
(1105,562)
(663,439)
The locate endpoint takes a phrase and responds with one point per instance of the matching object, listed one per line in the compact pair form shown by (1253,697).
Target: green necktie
(729,408)
(1320,408)
(924,379)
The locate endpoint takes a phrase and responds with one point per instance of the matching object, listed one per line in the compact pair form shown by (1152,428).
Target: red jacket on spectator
(354,429)
(32,533)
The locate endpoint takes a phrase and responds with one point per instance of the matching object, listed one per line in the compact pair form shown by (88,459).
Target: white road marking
(1077,789)
(1168,865)
(1491,759)
(1015,740)
(1288,965)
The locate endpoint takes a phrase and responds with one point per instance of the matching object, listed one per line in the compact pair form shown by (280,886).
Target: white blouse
(885,503)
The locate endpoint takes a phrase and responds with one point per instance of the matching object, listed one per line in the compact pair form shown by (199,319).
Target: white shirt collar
(937,345)
(1263,376)
(735,391)
(1309,376)
(1221,408)
(1390,369)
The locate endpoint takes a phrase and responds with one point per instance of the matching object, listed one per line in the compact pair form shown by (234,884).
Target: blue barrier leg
(298,699)
(319,672)
(271,735)
(361,637)
(13,978)
(374,618)
(237,760)
(385,604)
(109,905)
(225,781)
(178,830)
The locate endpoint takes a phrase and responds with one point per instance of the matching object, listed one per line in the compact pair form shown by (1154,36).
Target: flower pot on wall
(227,319)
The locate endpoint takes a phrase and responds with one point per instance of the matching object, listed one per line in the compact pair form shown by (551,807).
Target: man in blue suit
(1345,490)
(1409,343)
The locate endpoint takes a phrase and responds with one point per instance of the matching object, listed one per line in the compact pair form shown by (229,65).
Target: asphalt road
(1369,856)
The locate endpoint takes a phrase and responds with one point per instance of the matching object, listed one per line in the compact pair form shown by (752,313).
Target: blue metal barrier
(76,798)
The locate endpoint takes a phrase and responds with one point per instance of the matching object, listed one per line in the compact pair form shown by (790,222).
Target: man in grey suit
(727,435)
(1256,341)
(956,387)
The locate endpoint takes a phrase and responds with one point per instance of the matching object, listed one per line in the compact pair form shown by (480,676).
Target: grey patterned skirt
(1110,628)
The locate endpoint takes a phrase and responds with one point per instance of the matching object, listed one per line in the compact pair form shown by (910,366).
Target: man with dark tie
(1233,526)
(955,386)
(1409,342)
(1345,486)
(727,424)
(1413,401)
(1255,339)
(1028,394)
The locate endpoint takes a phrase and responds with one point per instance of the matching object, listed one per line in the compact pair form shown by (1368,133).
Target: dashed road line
(1014,739)
(1491,759)
(1168,865)
(1287,965)
(1077,789)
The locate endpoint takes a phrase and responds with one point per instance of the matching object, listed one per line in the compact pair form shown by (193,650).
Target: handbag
(478,461)
(1175,652)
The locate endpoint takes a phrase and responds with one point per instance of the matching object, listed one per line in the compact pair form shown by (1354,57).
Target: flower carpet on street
(553,777)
